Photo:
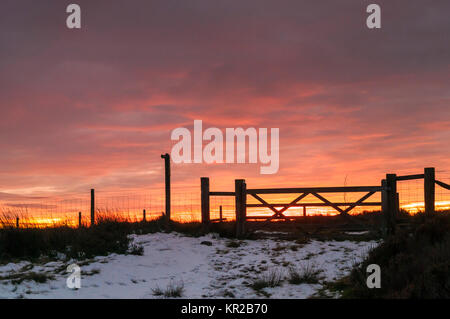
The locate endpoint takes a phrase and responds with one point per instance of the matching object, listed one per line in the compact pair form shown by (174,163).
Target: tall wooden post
(166,158)
(144,218)
(220,214)
(429,190)
(304,211)
(17,222)
(204,184)
(92,207)
(391,202)
(79,220)
(240,189)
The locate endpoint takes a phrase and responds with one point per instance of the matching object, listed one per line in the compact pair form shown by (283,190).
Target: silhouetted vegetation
(109,235)
(29,243)
(415,263)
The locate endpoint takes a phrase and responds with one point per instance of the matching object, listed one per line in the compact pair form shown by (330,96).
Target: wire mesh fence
(442,194)
(185,204)
(411,193)
(121,205)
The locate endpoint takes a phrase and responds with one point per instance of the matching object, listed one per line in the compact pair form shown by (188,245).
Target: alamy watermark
(74,279)
(73,20)
(220,151)
(374,279)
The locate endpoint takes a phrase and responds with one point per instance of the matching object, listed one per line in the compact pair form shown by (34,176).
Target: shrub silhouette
(415,263)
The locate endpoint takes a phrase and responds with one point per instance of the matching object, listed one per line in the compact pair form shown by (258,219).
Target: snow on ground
(212,271)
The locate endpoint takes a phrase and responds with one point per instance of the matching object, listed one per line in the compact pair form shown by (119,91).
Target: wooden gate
(388,188)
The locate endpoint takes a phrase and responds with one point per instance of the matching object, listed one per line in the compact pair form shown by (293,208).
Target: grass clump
(173,290)
(90,273)
(270,279)
(307,274)
(233,244)
(135,249)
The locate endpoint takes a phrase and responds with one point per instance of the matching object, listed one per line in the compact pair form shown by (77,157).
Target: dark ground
(415,261)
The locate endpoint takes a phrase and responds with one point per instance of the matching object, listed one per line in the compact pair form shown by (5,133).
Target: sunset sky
(94,108)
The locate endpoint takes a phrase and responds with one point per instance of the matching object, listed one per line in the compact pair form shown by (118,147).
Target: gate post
(384,199)
(240,189)
(391,202)
(204,184)
(166,158)
(429,190)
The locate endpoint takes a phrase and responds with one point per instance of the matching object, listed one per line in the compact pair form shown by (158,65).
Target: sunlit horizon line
(420,206)
(186,217)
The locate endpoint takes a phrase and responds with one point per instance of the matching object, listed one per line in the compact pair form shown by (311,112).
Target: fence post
(304,211)
(166,158)
(244,208)
(385,205)
(384,199)
(79,220)
(144,218)
(220,214)
(204,185)
(429,190)
(240,189)
(391,202)
(17,222)
(92,207)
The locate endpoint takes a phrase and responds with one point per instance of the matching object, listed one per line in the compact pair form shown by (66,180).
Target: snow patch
(215,271)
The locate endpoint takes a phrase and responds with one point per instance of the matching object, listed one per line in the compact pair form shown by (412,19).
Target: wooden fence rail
(443,185)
